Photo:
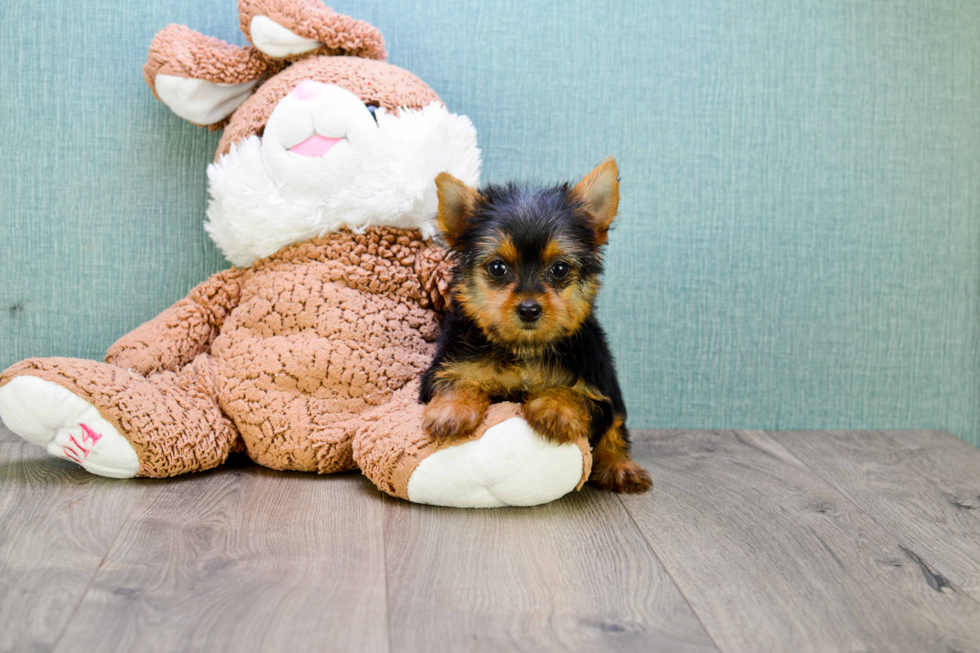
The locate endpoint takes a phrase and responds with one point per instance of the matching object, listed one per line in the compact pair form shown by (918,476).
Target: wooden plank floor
(750,541)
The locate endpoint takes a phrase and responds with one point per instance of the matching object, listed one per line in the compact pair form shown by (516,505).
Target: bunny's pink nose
(307,89)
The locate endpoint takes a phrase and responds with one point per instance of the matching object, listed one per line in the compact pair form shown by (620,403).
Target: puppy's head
(528,259)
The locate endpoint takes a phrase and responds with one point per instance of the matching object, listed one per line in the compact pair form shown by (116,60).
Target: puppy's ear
(599,193)
(457,201)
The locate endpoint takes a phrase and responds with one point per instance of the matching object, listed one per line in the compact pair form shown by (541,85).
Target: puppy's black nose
(529,310)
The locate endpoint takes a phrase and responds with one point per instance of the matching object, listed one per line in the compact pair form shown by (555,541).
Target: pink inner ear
(315,145)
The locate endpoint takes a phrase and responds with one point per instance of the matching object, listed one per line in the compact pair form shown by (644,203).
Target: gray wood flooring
(750,541)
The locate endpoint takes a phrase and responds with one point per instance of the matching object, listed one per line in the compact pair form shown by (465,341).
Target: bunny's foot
(67,426)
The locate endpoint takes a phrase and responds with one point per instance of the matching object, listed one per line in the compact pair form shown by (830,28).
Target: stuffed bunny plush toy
(307,354)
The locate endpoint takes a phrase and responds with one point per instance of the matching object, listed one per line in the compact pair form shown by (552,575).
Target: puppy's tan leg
(559,414)
(455,411)
(612,467)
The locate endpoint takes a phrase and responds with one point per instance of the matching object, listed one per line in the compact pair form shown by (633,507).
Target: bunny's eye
(373,110)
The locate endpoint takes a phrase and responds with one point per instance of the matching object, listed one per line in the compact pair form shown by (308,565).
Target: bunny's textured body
(306,356)
(286,374)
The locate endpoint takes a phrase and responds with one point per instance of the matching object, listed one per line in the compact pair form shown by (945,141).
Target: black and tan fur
(521,326)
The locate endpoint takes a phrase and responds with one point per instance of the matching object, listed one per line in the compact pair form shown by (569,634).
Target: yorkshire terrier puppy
(521,325)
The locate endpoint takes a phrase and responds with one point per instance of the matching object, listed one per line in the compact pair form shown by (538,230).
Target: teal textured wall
(799,244)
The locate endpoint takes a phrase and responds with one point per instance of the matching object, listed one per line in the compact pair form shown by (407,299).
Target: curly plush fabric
(390,445)
(324,330)
(307,359)
(186,329)
(347,43)
(287,355)
(172,419)
(340,35)
(375,82)
(179,50)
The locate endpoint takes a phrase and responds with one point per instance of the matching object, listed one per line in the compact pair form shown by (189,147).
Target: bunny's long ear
(202,79)
(291,28)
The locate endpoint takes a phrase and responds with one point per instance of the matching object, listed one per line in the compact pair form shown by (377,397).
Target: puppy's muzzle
(529,311)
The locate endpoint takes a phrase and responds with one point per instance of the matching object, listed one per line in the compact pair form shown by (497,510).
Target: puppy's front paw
(453,415)
(559,416)
(623,476)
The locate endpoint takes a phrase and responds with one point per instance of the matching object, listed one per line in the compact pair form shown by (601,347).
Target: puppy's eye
(497,268)
(373,110)
(560,269)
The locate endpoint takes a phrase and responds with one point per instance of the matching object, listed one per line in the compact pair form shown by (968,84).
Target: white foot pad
(509,466)
(69,427)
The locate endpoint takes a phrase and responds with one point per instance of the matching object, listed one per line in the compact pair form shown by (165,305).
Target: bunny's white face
(327,161)
(319,139)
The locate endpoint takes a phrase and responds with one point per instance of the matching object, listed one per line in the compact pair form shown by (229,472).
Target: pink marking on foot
(90,435)
(71,454)
(315,145)
(85,451)
(76,452)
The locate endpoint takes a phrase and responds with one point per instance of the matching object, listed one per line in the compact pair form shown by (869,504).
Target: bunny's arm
(175,337)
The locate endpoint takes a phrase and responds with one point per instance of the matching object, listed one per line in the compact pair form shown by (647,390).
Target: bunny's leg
(116,423)
(504,462)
